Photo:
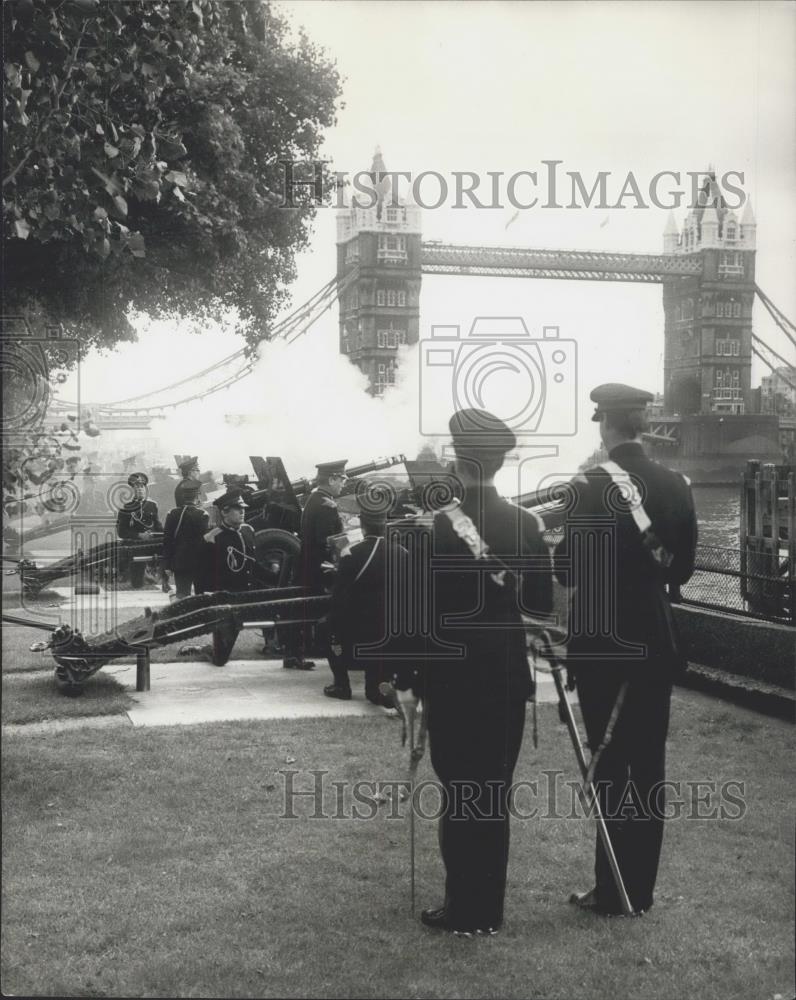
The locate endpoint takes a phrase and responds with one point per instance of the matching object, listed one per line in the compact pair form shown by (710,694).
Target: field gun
(105,561)
(79,656)
(275,505)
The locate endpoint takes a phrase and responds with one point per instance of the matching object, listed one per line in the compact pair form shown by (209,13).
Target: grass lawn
(30,692)
(157,863)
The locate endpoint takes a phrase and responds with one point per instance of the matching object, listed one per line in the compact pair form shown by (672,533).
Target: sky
(447,87)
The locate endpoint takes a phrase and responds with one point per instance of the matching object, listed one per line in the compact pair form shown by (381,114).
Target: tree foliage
(142,149)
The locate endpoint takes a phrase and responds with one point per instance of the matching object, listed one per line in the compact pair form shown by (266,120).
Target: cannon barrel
(301,486)
(553,501)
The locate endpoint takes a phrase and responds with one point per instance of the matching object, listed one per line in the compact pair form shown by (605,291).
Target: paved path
(184,693)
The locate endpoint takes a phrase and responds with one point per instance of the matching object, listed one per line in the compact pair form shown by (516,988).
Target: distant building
(378,248)
(708,319)
(778,392)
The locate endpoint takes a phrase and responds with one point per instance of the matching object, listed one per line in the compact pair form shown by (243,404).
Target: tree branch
(56,107)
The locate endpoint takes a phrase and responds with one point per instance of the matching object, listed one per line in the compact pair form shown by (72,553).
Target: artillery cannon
(274,512)
(275,505)
(78,656)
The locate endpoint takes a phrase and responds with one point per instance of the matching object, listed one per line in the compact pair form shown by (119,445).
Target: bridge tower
(380,307)
(708,318)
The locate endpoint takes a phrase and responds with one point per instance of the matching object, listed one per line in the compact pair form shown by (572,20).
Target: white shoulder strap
(467,531)
(369,559)
(622,479)
(179,522)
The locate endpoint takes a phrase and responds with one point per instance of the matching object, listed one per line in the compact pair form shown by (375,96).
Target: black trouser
(475,743)
(298,640)
(184,581)
(137,570)
(628,776)
(375,673)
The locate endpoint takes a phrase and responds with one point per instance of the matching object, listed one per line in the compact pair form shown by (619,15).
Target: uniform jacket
(183,539)
(230,558)
(365,605)
(136,517)
(629,596)
(473,612)
(319,519)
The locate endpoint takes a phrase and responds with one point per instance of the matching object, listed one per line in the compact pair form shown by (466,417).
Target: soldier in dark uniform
(476,703)
(137,520)
(361,608)
(183,540)
(229,549)
(651,536)
(319,519)
(189,470)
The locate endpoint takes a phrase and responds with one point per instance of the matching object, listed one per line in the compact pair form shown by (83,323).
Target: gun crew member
(183,538)
(624,670)
(319,519)
(137,520)
(229,548)
(189,470)
(476,700)
(364,609)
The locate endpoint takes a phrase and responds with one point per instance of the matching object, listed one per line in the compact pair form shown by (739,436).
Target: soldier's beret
(479,431)
(138,479)
(188,463)
(327,469)
(234,498)
(613,396)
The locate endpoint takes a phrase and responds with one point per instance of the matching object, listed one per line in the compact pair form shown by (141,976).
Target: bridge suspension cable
(759,347)
(288,329)
(779,317)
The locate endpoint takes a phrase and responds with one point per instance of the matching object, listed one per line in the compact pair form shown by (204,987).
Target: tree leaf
(121,205)
(177,177)
(22,229)
(112,185)
(110,151)
(32,62)
(137,246)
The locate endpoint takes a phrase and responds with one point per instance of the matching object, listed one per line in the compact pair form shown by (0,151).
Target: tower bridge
(706,270)
(523,262)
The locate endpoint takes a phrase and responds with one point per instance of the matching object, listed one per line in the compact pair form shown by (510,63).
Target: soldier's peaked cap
(188,463)
(614,396)
(234,498)
(138,479)
(374,504)
(189,489)
(332,468)
(475,430)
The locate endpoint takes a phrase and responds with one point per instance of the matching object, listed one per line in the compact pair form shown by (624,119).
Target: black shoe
(438,919)
(296,663)
(585,900)
(337,691)
(591,901)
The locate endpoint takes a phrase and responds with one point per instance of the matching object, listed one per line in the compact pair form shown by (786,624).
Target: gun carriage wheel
(277,554)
